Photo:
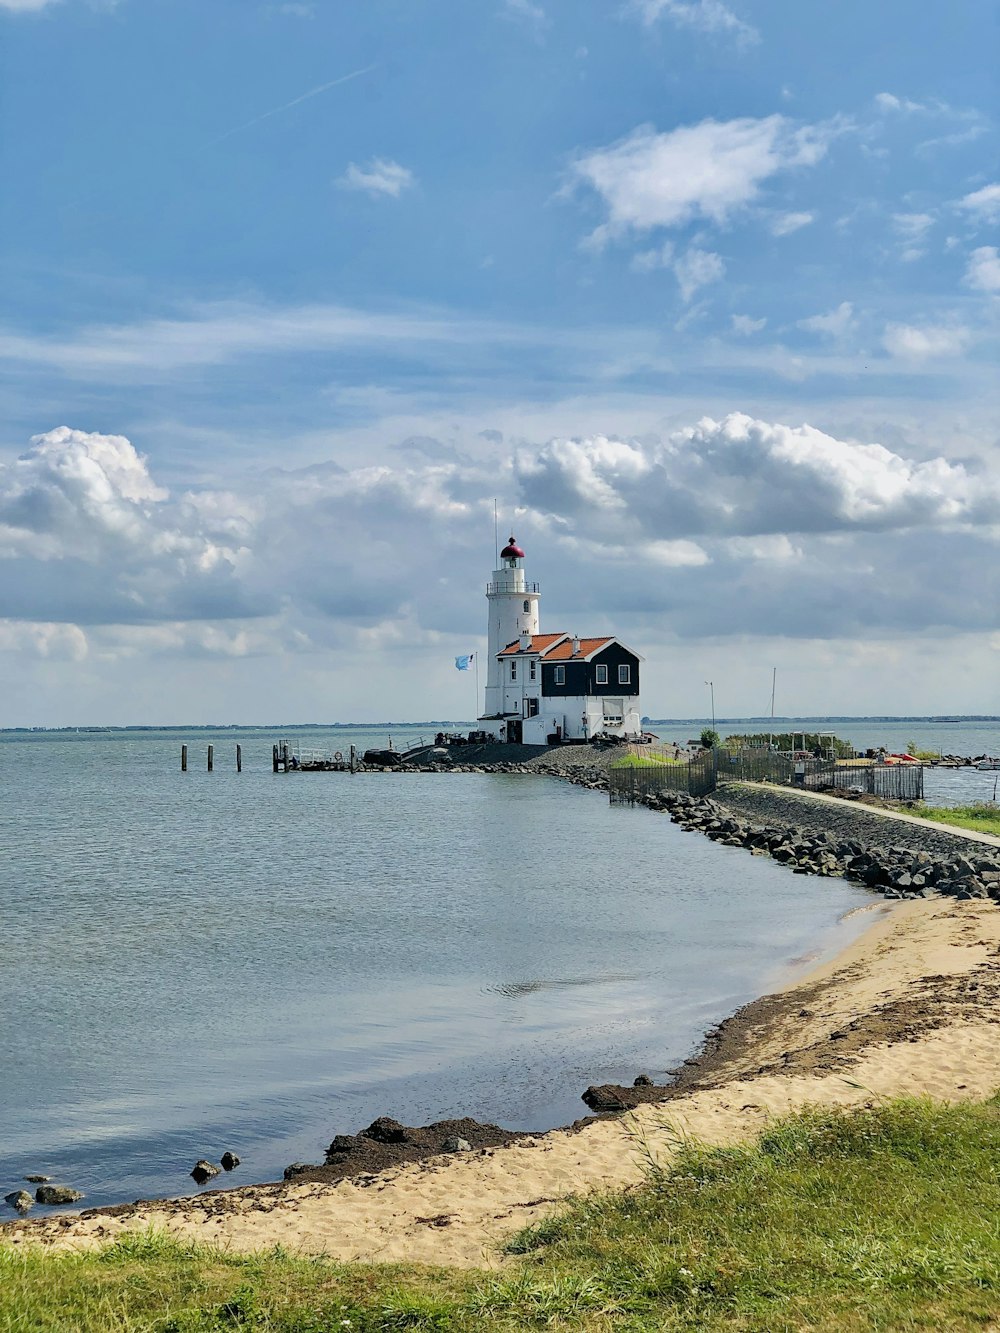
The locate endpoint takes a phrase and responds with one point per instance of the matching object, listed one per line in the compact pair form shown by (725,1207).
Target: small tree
(709,738)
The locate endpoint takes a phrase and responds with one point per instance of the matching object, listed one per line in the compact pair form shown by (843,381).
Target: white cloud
(526,10)
(912,229)
(661,256)
(745,326)
(44,639)
(953,140)
(785,223)
(220,332)
(890,102)
(719,527)
(25,6)
(709,170)
(91,535)
(983,269)
(985,203)
(697,268)
(743,477)
(381,176)
(703,15)
(672,555)
(911,341)
(836,323)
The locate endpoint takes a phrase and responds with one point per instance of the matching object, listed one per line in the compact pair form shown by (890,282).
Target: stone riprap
(896,860)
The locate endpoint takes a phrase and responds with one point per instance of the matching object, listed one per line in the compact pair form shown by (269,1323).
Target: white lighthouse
(542,689)
(513,612)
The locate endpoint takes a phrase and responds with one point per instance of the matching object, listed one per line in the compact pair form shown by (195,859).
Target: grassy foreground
(981,817)
(877,1219)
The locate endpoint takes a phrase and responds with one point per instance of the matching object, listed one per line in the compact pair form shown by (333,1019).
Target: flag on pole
(464,663)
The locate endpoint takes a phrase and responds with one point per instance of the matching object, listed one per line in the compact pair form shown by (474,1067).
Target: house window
(624,675)
(559,675)
(602,673)
(527,606)
(513,671)
(532,669)
(532,707)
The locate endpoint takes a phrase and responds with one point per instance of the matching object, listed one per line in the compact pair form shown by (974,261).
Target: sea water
(194,962)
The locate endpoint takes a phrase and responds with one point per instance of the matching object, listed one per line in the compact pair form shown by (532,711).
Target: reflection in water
(515,989)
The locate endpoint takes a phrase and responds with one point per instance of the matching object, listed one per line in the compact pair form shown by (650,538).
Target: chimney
(576,645)
(525,641)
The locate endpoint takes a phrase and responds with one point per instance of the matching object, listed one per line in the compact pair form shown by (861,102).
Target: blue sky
(293,290)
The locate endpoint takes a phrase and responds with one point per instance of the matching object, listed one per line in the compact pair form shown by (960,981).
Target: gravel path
(849,821)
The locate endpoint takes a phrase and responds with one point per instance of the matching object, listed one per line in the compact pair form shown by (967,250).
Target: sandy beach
(909,1008)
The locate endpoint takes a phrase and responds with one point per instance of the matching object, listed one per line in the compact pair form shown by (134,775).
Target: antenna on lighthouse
(496,536)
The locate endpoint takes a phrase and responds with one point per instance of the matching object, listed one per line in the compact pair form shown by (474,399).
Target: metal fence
(703,773)
(631,782)
(893,782)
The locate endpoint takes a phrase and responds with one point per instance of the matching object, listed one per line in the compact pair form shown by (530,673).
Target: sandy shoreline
(911,1006)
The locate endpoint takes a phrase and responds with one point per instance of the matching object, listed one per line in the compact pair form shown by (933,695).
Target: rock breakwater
(898,861)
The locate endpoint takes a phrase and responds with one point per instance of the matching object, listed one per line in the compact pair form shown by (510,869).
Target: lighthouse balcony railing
(508,585)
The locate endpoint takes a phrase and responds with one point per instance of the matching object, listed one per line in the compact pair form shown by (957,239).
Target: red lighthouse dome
(512,551)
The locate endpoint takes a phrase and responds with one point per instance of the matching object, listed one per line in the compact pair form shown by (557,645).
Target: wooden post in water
(211,758)
(274,759)
(284,755)
(239,758)
(184,758)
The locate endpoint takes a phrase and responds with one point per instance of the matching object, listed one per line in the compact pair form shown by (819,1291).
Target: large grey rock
(229,1161)
(56,1194)
(202,1171)
(19,1199)
(455,1144)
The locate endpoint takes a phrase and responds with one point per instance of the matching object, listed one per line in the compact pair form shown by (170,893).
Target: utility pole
(711,686)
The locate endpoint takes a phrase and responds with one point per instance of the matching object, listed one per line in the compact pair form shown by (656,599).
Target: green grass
(648,761)
(982,817)
(879,1219)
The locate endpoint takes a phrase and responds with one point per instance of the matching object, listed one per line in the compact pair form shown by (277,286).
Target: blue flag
(464,663)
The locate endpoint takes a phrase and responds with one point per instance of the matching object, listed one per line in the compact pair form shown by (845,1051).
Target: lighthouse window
(559,675)
(602,673)
(513,671)
(624,675)
(527,606)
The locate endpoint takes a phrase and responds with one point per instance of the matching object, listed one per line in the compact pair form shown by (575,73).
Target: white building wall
(508,596)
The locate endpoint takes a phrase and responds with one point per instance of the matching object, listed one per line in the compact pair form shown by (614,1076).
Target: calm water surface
(197,962)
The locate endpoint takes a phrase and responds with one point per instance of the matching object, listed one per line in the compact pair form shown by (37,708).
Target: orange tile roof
(557,647)
(539,643)
(564,650)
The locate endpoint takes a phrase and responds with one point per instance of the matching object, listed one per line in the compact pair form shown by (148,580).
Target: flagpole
(475,663)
